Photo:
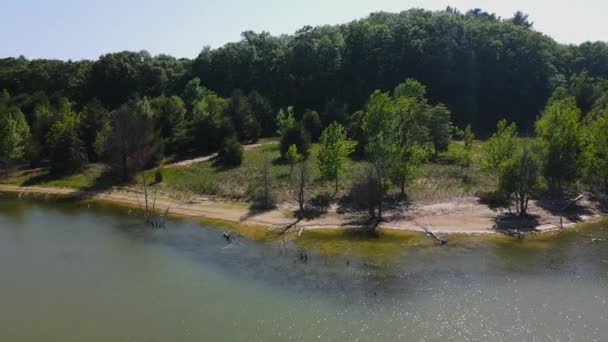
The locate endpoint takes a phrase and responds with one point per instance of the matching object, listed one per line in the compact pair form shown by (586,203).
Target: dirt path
(188,162)
(461,215)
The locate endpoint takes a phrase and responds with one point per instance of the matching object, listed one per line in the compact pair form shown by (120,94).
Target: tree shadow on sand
(574,209)
(104,181)
(507,223)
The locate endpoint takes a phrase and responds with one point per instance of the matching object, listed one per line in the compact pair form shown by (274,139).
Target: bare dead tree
(151,216)
(265,197)
(299,182)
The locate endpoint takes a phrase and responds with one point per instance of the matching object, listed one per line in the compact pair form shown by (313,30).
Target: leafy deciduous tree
(285,120)
(595,155)
(312,124)
(559,134)
(298,136)
(95,129)
(67,150)
(335,148)
(14,134)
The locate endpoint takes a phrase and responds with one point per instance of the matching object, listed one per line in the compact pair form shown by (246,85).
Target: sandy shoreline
(461,215)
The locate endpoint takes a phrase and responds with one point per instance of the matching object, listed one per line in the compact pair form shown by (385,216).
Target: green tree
(67,150)
(209,125)
(410,88)
(518,175)
(285,120)
(296,135)
(431,125)
(357,133)
(379,123)
(230,153)
(498,152)
(499,147)
(440,126)
(245,123)
(95,129)
(406,164)
(169,114)
(412,140)
(521,19)
(559,134)
(595,155)
(380,115)
(14,135)
(312,124)
(193,92)
(263,113)
(293,157)
(335,149)
(381,153)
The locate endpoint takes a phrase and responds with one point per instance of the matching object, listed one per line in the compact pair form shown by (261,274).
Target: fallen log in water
(516,233)
(438,238)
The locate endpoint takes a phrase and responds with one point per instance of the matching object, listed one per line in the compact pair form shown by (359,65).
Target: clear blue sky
(77,29)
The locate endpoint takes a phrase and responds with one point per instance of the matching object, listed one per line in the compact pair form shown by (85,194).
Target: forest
(392,88)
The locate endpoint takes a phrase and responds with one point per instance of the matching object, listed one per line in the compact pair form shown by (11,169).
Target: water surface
(86,272)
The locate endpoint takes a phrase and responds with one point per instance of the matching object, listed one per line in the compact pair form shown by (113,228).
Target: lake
(77,271)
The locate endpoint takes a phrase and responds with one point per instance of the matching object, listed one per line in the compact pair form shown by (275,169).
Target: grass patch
(240,183)
(442,178)
(445,177)
(384,244)
(92,176)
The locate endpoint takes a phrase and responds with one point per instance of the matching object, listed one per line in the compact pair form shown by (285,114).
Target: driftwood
(572,202)
(516,233)
(562,210)
(438,238)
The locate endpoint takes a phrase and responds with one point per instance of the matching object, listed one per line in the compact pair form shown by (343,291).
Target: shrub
(297,136)
(312,124)
(230,153)
(158,176)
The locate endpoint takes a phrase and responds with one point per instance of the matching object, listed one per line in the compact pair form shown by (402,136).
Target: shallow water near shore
(75,271)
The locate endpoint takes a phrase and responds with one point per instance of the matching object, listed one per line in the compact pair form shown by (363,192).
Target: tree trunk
(301,195)
(402,194)
(125,171)
(336,186)
(380,206)
(522,205)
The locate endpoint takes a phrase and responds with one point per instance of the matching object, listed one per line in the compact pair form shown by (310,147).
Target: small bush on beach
(231,153)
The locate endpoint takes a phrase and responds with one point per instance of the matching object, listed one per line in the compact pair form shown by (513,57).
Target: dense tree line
(482,67)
